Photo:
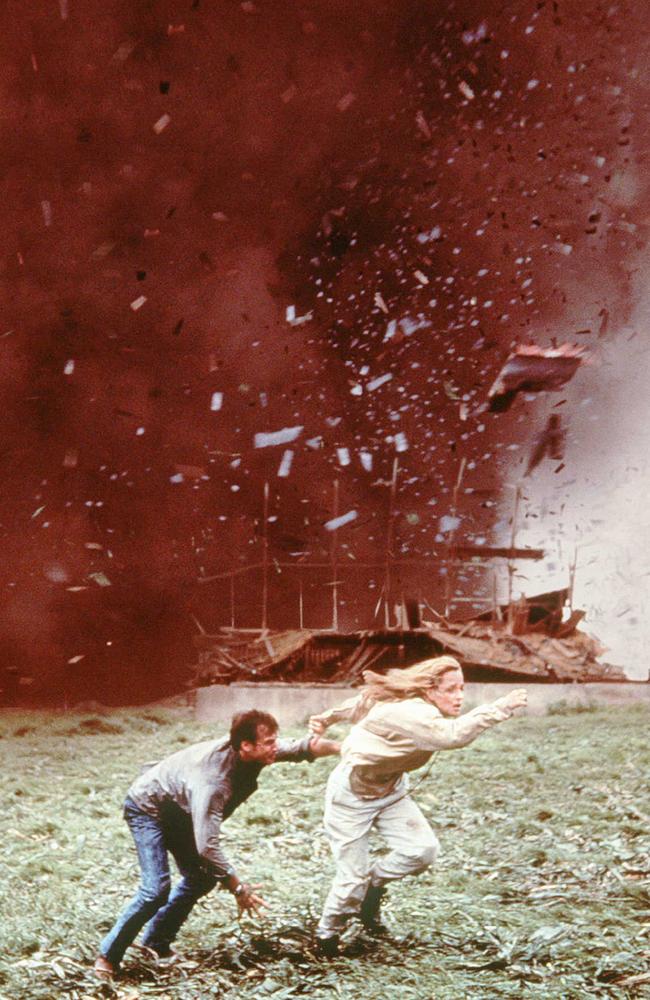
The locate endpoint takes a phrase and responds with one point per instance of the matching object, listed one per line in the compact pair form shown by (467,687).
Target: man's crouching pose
(178,806)
(401,719)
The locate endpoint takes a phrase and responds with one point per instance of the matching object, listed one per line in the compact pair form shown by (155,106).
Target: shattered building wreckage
(527,640)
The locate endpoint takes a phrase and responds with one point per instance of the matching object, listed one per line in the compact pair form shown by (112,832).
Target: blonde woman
(399,719)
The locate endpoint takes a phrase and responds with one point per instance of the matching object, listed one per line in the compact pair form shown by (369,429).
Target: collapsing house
(528,640)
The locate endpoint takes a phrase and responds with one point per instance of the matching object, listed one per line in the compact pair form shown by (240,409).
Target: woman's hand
(316,725)
(516,699)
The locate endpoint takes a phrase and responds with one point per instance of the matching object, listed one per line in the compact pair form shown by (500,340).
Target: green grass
(541,891)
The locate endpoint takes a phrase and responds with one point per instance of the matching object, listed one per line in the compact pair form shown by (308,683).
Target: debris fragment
(69,367)
(103,250)
(289,94)
(162,123)
(466,90)
(272,438)
(422,124)
(604,321)
(294,320)
(343,456)
(347,100)
(216,401)
(533,369)
(550,442)
(138,303)
(123,51)
(338,522)
(46,208)
(285,464)
(376,382)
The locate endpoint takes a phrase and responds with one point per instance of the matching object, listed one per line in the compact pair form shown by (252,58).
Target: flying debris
(294,320)
(550,442)
(273,438)
(533,369)
(285,464)
(338,522)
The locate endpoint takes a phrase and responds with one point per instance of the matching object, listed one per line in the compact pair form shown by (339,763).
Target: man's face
(448,695)
(264,749)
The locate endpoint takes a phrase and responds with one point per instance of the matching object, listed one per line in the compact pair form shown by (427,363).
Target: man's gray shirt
(206,781)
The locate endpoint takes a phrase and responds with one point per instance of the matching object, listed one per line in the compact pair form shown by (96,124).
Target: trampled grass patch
(541,891)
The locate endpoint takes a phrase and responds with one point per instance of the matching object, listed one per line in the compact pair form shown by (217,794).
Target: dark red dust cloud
(330,220)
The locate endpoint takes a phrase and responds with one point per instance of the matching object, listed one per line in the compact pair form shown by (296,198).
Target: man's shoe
(104,969)
(327,947)
(370,913)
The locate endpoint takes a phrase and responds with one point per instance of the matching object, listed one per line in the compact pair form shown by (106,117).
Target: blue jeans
(152,903)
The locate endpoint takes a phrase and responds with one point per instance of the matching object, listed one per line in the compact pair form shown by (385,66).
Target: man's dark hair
(244,726)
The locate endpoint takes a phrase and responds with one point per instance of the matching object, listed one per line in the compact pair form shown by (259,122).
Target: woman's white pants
(348,821)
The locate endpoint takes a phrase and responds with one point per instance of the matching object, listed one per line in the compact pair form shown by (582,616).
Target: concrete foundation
(292,704)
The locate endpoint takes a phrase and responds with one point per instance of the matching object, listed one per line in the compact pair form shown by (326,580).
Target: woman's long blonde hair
(409,682)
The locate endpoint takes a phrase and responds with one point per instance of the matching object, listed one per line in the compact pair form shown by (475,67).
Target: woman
(400,719)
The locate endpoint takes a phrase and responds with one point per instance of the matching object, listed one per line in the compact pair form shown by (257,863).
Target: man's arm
(319,746)
(207,817)
(307,748)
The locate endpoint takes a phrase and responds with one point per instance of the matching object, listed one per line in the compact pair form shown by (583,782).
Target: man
(399,720)
(178,806)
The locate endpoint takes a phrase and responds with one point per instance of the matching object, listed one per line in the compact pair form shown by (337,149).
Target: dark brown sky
(430,182)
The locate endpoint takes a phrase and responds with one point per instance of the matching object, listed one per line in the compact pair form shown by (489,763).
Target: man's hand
(516,699)
(248,899)
(321,747)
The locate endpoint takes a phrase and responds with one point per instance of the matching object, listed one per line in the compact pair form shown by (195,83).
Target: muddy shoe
(104,969)
(370,914)
(327,947)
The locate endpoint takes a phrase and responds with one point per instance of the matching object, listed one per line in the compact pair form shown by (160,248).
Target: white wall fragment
(285,464)
(376,382)
(216,401)
(138,303)
(391,330)
(294,320)
(338,522)
(401,444)
(273,438)
(69,367)
(343,456)
(366,460)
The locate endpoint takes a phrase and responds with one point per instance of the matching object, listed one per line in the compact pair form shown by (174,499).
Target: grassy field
(541,891)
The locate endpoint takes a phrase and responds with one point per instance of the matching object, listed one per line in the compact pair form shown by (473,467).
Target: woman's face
(449,693)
